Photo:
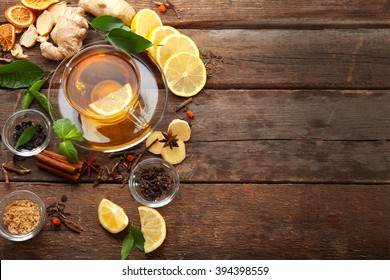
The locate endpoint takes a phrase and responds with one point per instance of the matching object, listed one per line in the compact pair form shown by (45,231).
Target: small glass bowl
(18,117)
(135,184)
(21,195)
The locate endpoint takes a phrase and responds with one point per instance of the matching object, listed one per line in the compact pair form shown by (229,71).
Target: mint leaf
(26,136)
(128,41)
(139,239)
(66,130)
(27,97)
(69,151)
(42,99)
(20,74)
(107,23)
(127,246)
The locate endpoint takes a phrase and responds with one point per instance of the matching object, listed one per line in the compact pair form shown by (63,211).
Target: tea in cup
(102,84)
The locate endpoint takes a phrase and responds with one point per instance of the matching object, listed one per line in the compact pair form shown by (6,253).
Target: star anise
(89,165)
(169,139)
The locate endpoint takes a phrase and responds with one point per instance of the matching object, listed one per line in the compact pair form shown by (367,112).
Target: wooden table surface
(289,156)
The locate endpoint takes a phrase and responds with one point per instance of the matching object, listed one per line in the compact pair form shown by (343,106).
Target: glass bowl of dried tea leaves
(26,132)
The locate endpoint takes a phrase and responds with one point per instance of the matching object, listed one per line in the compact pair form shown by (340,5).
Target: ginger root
(120,9)
(156,147)
(56,10)
(68,34)
(176,154)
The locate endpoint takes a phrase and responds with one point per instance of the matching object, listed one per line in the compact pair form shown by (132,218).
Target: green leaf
(69,151)
(27,97)
(127,246)
(42,99)
(66,130)
(128,41)
(107,23)
(20,74)
(139,239)
(26,136)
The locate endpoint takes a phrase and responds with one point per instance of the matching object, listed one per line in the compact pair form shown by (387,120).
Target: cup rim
(35,198)
(154,203)
(73,59)
(7,126)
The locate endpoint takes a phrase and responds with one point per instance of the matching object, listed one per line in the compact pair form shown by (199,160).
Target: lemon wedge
(144,21)
(173,44)
(111,216)
(185,74)
(113,103)
(153,228)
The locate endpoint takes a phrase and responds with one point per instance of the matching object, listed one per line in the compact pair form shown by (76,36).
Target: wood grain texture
(286,59)
(289,155)
(266,14)
(274,224)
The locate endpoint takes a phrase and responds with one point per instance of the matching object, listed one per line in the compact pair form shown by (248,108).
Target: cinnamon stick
(56,171)
(63,166)
(62,158)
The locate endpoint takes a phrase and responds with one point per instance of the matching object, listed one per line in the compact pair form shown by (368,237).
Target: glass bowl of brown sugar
(154,182)
(22,215)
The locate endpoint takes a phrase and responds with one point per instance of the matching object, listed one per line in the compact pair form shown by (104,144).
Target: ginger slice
(180,128)
(44,23)
(156,147)
(29,38)
(176,154)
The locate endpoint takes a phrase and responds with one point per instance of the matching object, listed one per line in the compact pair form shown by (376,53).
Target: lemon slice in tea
(114,103)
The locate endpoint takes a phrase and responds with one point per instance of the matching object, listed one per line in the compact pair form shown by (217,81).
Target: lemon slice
(172,44)
(157,34)
(153,228)
(144,21)
(111,216)
(185,74)
(113,103)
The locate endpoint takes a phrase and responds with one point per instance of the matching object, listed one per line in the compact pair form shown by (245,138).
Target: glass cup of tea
(102,84)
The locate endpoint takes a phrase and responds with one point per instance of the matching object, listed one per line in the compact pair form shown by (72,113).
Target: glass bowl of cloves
(154,182)
(26,132)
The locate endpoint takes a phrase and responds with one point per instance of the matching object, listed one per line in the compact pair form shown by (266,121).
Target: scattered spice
(155,182)
(57,211)
(56,221)
(21,216)
(89,165)
(190,114)
(182,105)
(64,198)
(6,176)
(162,8)
(20,171)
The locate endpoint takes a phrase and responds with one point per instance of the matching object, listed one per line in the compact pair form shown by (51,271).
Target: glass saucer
(153,103)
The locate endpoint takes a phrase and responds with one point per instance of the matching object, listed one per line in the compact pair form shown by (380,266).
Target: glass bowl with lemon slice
(115,98)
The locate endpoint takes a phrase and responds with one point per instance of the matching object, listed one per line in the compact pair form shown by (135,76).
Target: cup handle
(137,118)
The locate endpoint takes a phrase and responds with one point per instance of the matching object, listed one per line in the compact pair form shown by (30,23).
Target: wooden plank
(239,221)
(265,14)
(311,161)
(303,136)
(222,115)
(287,59)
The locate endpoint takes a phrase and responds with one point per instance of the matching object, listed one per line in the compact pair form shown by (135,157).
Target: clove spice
(155,183)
